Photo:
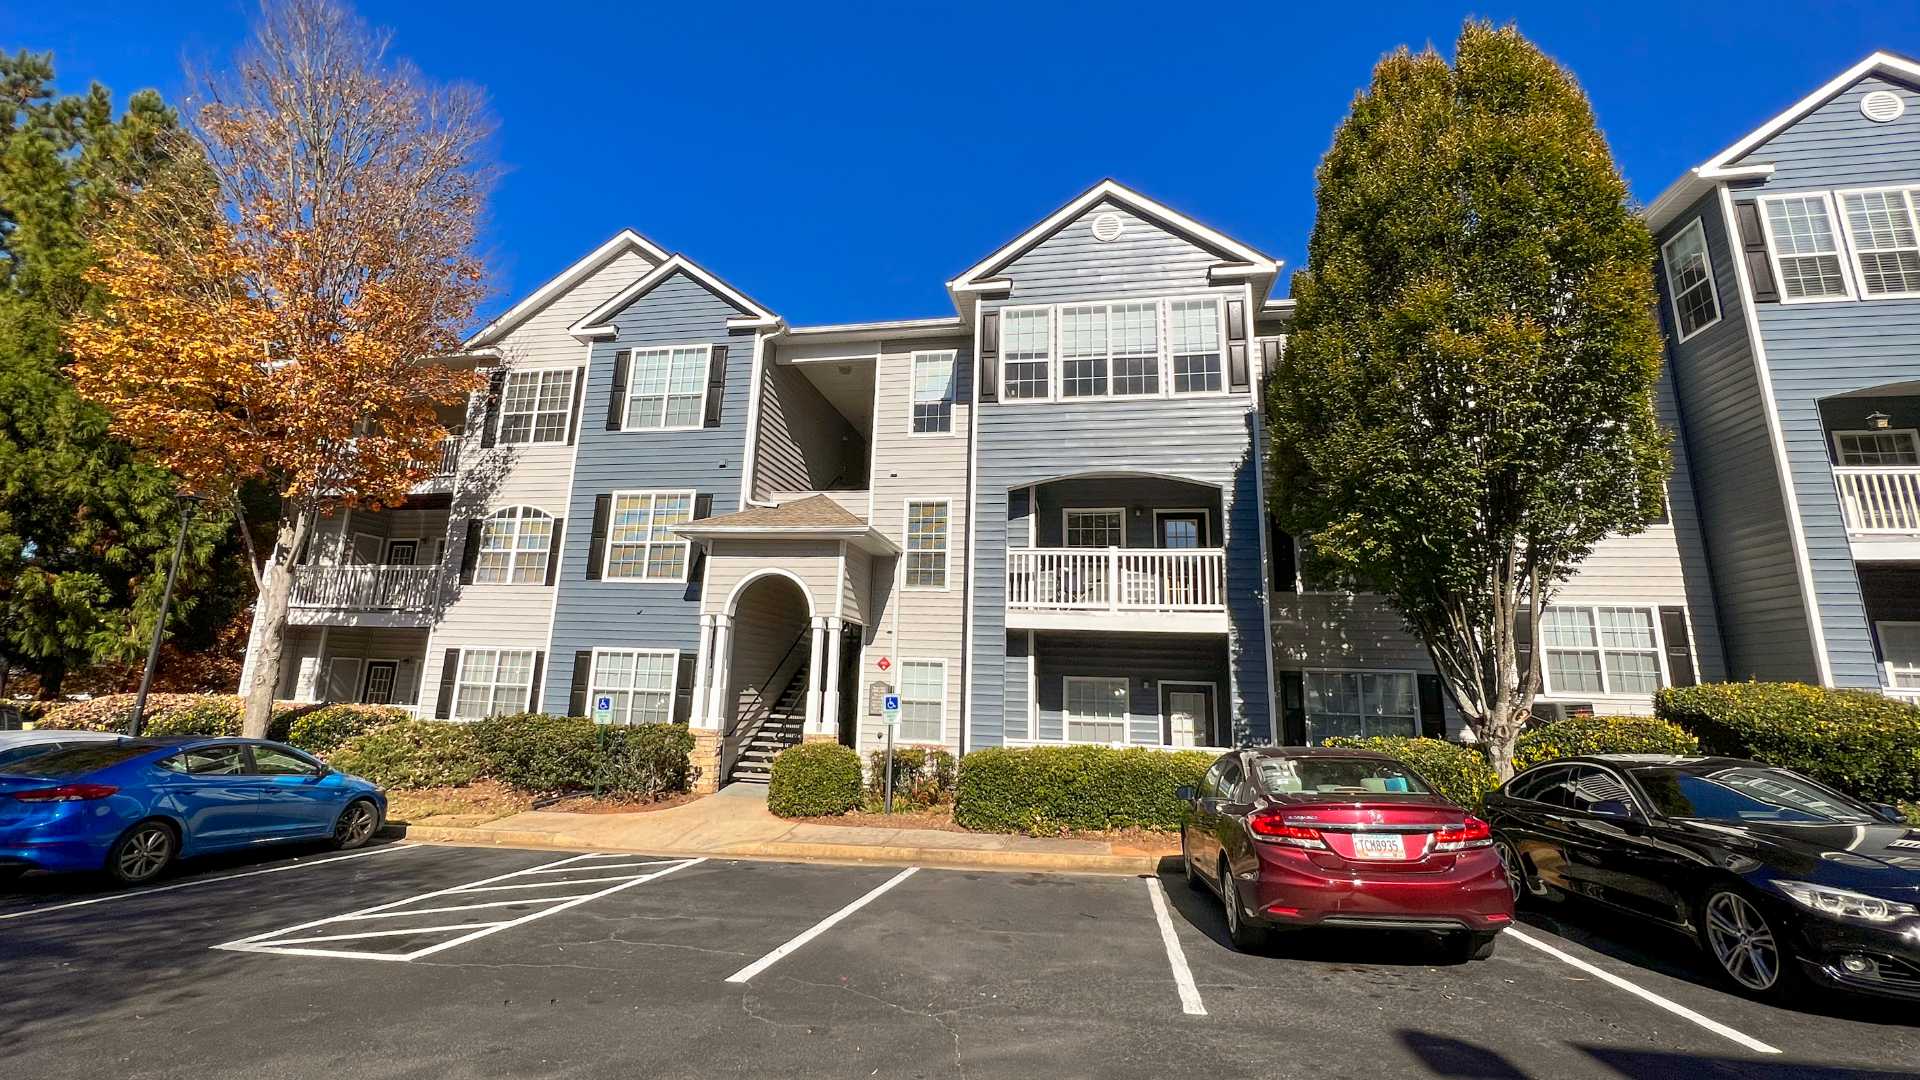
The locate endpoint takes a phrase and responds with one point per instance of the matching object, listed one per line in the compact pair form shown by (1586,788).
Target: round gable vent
(1882,106)
(1106,227)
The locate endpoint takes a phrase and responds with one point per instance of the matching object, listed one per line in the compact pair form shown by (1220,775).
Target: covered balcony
(1873,442)
(363,568)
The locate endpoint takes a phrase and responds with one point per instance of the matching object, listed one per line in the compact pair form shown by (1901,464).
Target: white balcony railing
(1879,500)
(1117,579)
(365,588)
(443,464)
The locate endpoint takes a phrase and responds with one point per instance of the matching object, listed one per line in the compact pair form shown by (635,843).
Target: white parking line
(1190,1002)
(1643,993)
(297,865)
(745,974)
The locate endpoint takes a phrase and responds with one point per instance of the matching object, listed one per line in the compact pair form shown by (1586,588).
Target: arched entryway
(768,672)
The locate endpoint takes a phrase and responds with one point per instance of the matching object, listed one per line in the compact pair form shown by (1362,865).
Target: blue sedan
(132,807)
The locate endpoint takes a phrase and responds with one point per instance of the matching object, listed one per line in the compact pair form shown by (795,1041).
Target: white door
(1187,711)
(343,679)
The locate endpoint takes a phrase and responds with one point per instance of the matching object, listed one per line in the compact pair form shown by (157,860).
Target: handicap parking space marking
(747,973)
(1190,1002)
(298,864)
(301,939)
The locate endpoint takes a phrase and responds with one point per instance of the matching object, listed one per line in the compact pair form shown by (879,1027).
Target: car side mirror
(1184,793)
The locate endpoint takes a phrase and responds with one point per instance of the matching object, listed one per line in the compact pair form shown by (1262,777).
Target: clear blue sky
(842,162)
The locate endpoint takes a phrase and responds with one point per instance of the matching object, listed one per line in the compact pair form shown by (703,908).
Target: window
(640,682)
(1886,250)
(1360,703)
(1806,250)
(933,393)
(1900,652)
(1600,650)
(1028,364)
(1335,776)
(667,388)
(927,545)
(1109,349)
(1194,327)
(1096,709)
(515,545)
(270,762)
(493,682)
(1696,303)
(923,700)
(1876,449)
(1096,528)
(535,406)
(641,543)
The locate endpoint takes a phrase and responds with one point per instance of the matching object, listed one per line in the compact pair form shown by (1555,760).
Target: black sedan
(1781,879)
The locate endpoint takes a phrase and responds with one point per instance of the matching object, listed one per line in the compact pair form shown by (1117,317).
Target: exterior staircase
(784,725)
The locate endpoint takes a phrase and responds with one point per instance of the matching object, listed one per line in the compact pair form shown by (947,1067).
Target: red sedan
(1298,837)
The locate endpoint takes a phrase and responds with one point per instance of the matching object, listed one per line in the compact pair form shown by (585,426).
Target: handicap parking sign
(890,706)
(603,709)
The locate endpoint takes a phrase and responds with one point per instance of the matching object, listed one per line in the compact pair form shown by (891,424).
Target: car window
(1594,790)
(71,760)
(1337,776)
(1546,786)
(22,753)
(1229,781)
(1748,794)
(1210,783)
(270,762)
(227,760)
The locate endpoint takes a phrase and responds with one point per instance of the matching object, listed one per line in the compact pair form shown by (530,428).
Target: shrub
(921,777)
(1461,773)
(1863,743)
(1053,789)
(647,760)
(537,752)
(167,714)
(413,753)
(1601,735)
(814,780)
(320,731)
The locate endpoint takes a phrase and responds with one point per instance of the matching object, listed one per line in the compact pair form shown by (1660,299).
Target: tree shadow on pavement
(1382,948)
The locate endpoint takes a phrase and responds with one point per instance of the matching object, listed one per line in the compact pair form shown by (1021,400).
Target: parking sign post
(890,709)
(602,717)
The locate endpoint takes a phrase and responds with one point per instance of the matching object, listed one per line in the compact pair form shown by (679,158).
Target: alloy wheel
(1230,899)
(145,853)
(356,825)
(1742,941)
(1510,862)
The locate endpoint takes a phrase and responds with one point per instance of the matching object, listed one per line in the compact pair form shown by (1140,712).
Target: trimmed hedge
(1578,735)
(1047,790)
(814,780)
(413,753)
(921,777)
(317,729)
(1864,743)
(1461,773)
(647,760)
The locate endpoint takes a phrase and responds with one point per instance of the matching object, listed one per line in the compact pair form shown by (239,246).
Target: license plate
(1379,846)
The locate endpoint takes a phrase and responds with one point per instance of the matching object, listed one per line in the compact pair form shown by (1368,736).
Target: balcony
(441,466)
(364,595)
(1882,510)
(1171,590)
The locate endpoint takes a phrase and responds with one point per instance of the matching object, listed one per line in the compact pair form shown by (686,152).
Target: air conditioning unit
(1545,712)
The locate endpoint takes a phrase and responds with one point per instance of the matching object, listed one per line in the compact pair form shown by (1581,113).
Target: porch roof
(816,517)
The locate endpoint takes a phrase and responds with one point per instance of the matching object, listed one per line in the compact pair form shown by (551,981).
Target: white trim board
(621,242)
(593,324)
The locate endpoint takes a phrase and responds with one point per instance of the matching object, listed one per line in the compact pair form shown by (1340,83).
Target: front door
(378,687)
(1182,529)
(402,552)
(1187,712)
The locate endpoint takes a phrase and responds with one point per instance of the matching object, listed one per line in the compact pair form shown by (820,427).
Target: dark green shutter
(989,388)
(1237,378)
(470,554)
(1523,642)
(582,671)
(1286,577)
(449,670)
(553,549)
(617,393)
(490,418)
(1753,248)
(702,508)
(1293,708)
(597,540)
(683,689)
(533,690)
(716,386)
(1433,708)
(1673,627)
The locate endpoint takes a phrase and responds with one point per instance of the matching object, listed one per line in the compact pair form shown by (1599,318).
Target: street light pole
(160,624)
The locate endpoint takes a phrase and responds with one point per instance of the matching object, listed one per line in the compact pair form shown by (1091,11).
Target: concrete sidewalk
(736,824)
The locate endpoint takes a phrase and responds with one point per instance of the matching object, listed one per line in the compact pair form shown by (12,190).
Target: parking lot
(414,960)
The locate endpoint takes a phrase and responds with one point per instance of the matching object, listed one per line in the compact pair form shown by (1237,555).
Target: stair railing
(751,716)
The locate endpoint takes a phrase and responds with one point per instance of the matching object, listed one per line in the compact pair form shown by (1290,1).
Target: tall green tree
(85,528)
(1466,403)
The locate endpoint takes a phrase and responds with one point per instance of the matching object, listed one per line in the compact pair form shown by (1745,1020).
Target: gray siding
(1145,660)
(804,444)
(1835,146)
(1146,260)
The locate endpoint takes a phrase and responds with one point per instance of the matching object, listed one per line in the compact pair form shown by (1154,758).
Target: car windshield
(1336,776)
(76,760)
(1746,794)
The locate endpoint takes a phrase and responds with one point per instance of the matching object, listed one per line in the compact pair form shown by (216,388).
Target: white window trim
(1887,666)
(1912,195)
(1053,353)
(1126,715)
(460,678)
(366,673)
(953,393)
(1206,526)
(1698,229)
(606,550)
(706,386)
(538,373)
(673,685)
(1913,436)
(1163,341)
(1839,243)
(1307,719)
(946,544)
(1160,688)
(1160,354)
(1066,523)
(1607,692)
(513,550)
(946,694)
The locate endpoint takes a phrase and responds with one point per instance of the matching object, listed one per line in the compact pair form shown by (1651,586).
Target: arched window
(515,545)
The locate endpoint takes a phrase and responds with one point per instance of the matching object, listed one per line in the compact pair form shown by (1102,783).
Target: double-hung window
(923,700)
(1806,247)
(641,543)
(535,406)
(1027,345)
(1096,709)
(1877,449)
(515,545)
(1600,650)
(1360,703)
(1110,349)
(926,566)
(1095,528)
(1900,647)
(1696,303)
(1193,331)
(640,683)
(1886,248)
(667,388)
(933,392)
(493,682)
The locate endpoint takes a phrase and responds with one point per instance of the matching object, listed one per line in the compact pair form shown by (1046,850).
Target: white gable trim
(593,324)
(622,242)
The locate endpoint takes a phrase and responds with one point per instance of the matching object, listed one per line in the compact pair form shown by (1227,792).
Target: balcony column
(719,709)
(703,674)
(816,659)
(829,722)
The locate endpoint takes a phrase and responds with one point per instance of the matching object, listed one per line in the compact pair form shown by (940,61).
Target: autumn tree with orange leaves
(277,297)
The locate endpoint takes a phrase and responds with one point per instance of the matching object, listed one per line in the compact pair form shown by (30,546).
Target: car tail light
(66,793)
(1270,827)
(1472,833)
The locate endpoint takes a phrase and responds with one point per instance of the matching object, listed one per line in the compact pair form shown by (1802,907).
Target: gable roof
(1726,165)
(815,517)
(622,242)
(597,323)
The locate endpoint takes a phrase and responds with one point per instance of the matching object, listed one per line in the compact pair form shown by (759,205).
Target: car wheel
(1474,946)
(142,853)
(1524,887)
(1245,936)
(1743,945)
(1194,880)
(357,824)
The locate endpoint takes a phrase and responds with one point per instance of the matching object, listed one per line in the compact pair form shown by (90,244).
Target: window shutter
(1237,345)
(490,420)
(1269,356)
(683,690)
(1433,707)
(617,394)
(989,389)
(716,385)
(533,689)
(597,542)
(449,670)
(470,555)
(1753,248)
(553,550)
(1523,643)
(1293,708)
(702,508)
(1286,574)
(1673,627)
(579,398)
(582,671)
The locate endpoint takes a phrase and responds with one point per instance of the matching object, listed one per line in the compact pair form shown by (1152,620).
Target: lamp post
(187,502)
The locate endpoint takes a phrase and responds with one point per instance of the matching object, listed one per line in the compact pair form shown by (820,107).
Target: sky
(841,162)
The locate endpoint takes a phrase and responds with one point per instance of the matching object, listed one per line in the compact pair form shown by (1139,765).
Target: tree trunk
(276,588)
(51,677)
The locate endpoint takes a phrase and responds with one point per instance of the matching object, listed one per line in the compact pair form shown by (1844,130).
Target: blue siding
(1835,146)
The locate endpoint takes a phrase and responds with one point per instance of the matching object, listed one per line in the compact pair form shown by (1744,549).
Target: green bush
(413,753)
(1048,790)
(1461,773)
(814,780)
(320,731)
(1863,743)
(1578,735)
(168,714)
(921,777)
(647,760)
(536,752)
